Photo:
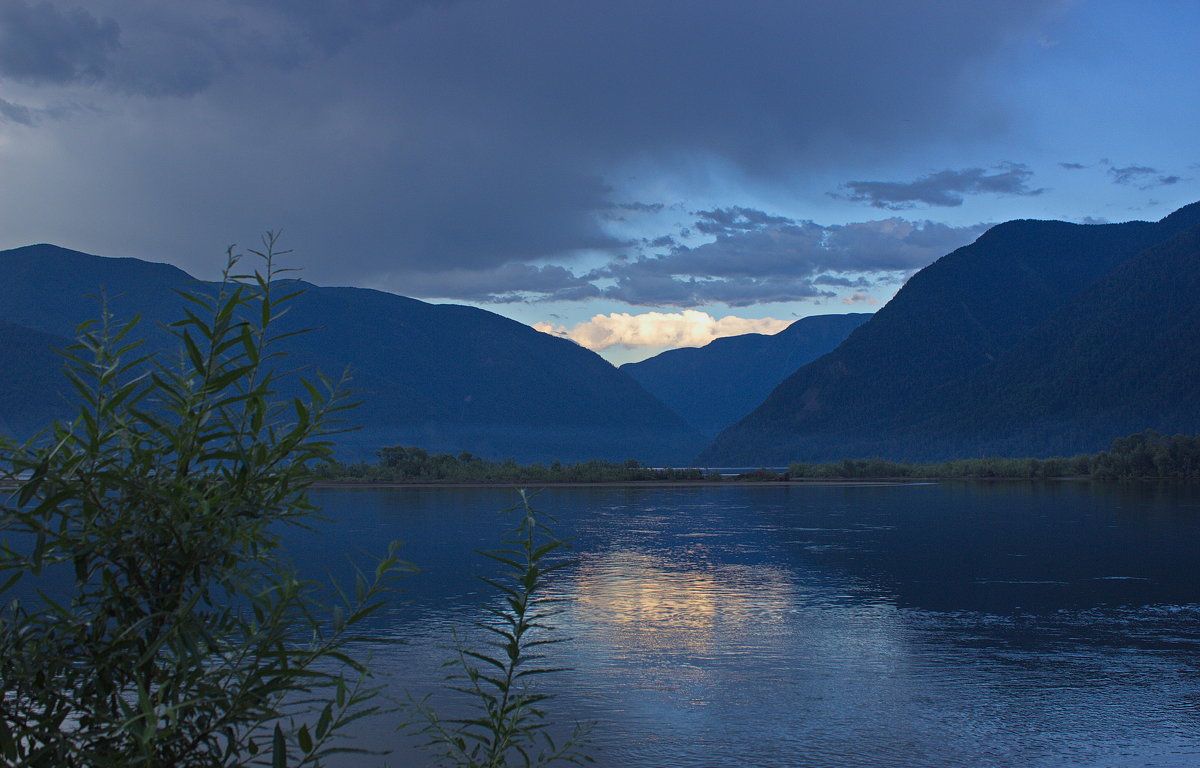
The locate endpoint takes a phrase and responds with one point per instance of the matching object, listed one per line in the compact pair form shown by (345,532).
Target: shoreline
(880,481)
(826,482)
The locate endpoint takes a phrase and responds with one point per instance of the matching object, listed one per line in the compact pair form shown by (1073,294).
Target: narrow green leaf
(324,721)
(278,749)
(193,353)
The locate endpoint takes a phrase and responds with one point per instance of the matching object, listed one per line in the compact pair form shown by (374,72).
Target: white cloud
(690,328)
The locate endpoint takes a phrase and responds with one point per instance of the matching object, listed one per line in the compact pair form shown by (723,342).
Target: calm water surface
(916,625)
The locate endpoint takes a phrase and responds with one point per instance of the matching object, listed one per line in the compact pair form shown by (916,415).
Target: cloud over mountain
(1141,176)
(689,328)
(759,258)
(944,188)
(754,258)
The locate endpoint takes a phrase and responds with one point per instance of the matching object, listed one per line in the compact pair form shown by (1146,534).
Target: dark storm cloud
(656,291)
(40,43)
(15,113)
(507,283)
(758,257)
(627,211)
(755,258)
(779,246)
(736,79)
(397,140)
(1130,174)
(156,49)
(945,188)
(332,26)
(726,221)
(639,207)
(841,282)
(1141,176)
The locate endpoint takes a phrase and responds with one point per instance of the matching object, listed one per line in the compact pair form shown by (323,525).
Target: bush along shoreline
(1141,456)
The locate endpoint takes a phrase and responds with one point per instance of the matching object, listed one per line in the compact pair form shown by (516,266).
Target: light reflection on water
(637,594)
(1006,625)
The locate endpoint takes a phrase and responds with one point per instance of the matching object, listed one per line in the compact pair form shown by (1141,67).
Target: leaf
(324,721)
(278,749)
(31,485)
(193,353)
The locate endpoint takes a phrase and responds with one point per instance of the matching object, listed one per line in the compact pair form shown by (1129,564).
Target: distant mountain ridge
(33,391)
(1039,338)
(716,385)
(1012,345)
(445,377)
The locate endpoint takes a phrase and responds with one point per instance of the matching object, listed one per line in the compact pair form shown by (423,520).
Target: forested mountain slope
(33,391)
(716,385)
(902,384)
(445,377)
(1123,356)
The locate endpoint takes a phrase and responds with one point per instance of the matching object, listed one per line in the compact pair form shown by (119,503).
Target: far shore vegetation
(1141,456)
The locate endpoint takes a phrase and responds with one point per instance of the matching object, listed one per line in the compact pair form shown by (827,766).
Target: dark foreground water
(918,625)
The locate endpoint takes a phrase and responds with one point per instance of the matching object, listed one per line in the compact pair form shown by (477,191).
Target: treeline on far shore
(1142,456)
(409,464)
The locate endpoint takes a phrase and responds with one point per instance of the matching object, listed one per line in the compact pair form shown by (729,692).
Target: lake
(958,624)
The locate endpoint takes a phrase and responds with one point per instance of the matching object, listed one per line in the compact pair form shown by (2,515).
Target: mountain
(1122,357)
(716,385)
(33,391)
(445,377)
(935,373)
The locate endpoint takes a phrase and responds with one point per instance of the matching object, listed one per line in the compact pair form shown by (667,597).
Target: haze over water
(932,625)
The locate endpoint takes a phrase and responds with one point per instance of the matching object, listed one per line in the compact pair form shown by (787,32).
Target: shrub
(181,638)
(508,725)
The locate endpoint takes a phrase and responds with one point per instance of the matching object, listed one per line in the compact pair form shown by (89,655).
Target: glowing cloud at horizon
(689,328)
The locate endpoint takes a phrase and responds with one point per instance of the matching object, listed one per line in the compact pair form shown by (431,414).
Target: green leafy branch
(509,726)
(183,638)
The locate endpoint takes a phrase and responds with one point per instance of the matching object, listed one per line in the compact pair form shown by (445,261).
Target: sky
(632,174)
